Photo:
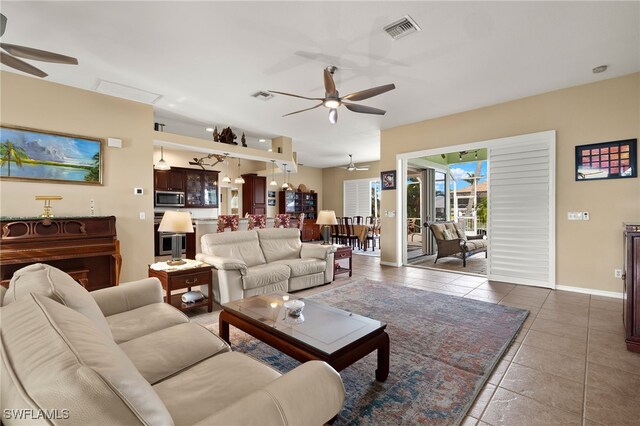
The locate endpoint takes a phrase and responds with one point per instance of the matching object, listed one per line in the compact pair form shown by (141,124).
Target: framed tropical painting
(28,154)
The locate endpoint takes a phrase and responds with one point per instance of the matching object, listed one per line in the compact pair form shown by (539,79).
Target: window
(361,197)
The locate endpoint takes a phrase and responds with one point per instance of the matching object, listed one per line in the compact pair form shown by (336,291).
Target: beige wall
(333,178)
(38,104)
(586,251)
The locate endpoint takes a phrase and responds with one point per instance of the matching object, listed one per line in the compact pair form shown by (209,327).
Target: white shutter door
(357,197)
(522,210)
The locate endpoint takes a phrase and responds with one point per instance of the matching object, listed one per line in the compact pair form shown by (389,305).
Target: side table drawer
(342,255)
(191,280)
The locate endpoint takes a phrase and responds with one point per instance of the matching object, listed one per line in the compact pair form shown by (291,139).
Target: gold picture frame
(43,156)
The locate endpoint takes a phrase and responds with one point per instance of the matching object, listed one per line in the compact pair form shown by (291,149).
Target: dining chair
(257,221)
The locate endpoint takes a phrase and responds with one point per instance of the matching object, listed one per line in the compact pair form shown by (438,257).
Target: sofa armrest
(316,251)
(128,296)
(223,263)
(311,394)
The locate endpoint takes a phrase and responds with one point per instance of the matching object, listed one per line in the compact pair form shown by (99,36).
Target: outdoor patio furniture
(452,241)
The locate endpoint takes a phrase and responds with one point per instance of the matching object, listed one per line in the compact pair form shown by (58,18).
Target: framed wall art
(388,179)
(271,201)
(36,155)
(271,194)
(607,160)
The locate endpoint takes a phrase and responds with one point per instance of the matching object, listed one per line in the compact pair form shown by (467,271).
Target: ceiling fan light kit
(352,167)
(333,101)
(12,50)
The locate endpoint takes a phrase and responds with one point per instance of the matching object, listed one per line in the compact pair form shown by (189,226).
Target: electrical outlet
(617,273)
(142,216)
(585,215)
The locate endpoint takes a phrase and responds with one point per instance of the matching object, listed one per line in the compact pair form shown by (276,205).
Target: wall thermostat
(138,191)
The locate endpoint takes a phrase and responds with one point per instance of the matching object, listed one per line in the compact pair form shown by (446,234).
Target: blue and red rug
(443,349)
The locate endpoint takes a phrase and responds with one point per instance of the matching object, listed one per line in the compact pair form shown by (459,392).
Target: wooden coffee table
(337,337)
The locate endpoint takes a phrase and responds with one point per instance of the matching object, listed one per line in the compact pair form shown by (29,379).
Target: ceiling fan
(351,167)
(9,58)
(332,99)
(200,161)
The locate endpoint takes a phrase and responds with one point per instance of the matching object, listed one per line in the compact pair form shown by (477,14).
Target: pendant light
(285,186)
(162,165)
(226,178)
(239,180)
(273,174)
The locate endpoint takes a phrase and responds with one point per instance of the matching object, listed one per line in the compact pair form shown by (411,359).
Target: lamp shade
(176,222)
(326,217)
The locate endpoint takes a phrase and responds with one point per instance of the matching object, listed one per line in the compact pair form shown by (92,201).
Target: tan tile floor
(568,365)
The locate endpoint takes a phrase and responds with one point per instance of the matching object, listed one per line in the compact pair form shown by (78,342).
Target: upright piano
(86,248)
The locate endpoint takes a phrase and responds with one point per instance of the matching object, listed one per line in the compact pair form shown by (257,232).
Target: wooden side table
(342,253)
(185,278)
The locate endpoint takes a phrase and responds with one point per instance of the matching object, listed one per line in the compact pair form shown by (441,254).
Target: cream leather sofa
(120,356)
(262,261)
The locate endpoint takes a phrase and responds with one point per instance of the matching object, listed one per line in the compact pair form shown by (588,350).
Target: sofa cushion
(58,359)
(262,275)
(236,245)
(300,267)
(161,354)
(138,322)
(212,385)
(476,245)
(280,243)
(57,285)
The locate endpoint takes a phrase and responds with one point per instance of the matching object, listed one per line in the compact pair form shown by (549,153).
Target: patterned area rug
(443,349)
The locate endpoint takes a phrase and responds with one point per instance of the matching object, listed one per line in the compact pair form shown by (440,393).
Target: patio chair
(452,241)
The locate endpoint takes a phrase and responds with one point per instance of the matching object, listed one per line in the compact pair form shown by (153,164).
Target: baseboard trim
(594,292)
(385,263)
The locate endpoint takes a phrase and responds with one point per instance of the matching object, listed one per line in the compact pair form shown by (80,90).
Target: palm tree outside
(9,152)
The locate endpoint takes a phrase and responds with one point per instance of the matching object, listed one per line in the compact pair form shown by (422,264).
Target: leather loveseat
(120,356)
(263,261)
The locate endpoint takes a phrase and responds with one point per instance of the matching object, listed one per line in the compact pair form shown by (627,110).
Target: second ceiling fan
(333,100)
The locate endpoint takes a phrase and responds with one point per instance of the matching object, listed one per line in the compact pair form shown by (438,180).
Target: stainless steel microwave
(169,199)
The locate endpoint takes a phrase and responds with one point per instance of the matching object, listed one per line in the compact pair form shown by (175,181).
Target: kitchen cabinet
(168,180)
(201,188)
(254,194)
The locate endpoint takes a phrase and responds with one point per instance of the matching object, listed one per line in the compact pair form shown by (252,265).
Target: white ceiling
(207,58)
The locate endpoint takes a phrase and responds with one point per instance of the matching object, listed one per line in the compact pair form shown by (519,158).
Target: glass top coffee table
(337,337)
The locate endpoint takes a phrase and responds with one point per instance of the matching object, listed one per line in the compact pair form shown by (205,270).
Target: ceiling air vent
(402,27)
(263,96)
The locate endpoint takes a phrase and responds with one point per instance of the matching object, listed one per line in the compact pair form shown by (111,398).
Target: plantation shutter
(357,197)
(522,210)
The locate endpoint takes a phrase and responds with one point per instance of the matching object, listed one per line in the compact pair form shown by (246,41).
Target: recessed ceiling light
(172,105)
(599,69)
(262,140)
(209,129)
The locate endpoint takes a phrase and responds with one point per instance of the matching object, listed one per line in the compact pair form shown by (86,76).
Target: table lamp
(178,223)
(326,218)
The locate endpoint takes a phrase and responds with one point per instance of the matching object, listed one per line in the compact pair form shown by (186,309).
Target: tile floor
(568,365)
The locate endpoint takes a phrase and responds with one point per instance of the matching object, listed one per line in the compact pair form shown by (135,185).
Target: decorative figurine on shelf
(227,136)
(216,135)
(243,140)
